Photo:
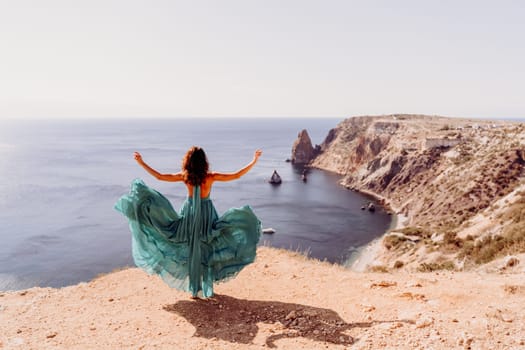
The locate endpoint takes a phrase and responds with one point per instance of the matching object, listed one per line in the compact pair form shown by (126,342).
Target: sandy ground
(283,300)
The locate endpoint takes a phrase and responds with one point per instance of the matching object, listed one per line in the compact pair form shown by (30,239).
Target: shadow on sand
(235,320)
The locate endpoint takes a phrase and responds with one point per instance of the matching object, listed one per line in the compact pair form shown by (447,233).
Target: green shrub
(379,268)
(393,241)
(429,267)
(484,250)
(414,231)
(451,239)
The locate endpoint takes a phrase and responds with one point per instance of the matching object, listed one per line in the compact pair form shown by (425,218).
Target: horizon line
(115,117)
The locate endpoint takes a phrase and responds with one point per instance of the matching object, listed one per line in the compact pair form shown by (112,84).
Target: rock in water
(302,150)
(275,179)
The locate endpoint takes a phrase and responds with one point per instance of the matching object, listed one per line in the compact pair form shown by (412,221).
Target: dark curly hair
(195,166)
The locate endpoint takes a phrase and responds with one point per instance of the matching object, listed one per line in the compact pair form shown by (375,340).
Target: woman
(194,247)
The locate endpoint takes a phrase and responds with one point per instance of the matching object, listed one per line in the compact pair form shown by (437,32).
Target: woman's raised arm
(239,173)
(163,177)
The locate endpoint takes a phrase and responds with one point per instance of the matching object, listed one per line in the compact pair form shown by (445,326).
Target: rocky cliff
(458,182)
(302,150)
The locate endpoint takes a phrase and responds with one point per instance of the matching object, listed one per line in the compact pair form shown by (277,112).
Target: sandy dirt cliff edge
(284,301)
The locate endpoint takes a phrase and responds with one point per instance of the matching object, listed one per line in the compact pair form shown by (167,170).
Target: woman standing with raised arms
(194,247)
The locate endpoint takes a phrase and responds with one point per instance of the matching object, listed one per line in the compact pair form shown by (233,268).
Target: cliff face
(456,198)
(353,143)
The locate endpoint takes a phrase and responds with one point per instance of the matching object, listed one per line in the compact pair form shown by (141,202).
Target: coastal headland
(457,186)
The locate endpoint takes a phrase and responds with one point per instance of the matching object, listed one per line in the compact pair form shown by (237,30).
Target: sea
(60,179)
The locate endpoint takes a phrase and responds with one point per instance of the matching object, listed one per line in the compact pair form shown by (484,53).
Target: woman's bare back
(205,187)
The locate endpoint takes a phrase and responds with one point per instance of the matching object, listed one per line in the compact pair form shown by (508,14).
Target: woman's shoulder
(211,176)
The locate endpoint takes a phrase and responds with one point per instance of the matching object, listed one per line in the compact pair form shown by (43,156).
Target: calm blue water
(60,180)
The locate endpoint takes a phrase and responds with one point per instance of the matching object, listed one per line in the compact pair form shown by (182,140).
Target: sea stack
(302,151)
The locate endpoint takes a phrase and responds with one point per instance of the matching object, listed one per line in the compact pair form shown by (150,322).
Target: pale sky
(267,58)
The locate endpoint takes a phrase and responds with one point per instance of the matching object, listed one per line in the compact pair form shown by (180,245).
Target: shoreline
(398,219)
(365,256)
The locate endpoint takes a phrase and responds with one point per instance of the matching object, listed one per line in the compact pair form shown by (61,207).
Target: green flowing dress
(192,248)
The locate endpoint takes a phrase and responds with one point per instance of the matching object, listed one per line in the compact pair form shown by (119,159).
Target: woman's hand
(137,157)
(257,154)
